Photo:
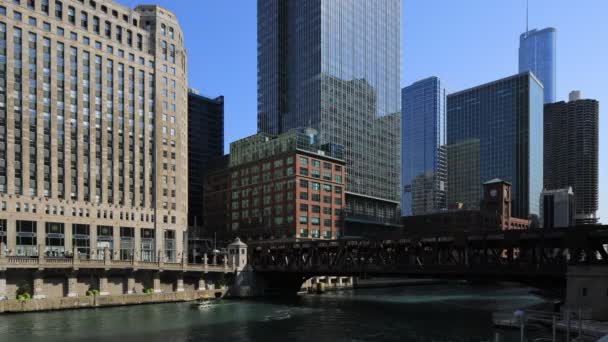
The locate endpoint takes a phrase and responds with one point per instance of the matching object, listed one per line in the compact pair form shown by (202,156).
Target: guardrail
(40,262)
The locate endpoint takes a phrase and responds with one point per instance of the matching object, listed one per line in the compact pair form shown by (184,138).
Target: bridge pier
(72,281)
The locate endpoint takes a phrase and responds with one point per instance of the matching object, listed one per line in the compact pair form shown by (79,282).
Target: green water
(452,312)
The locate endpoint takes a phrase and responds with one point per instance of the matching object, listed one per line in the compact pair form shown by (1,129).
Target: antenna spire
(527,14)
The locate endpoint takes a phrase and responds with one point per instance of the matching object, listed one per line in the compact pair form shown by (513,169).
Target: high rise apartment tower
(571,152)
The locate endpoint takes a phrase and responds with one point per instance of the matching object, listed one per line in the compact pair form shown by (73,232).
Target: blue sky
(465,42)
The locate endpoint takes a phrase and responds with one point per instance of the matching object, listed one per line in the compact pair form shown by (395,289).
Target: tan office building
(93,130)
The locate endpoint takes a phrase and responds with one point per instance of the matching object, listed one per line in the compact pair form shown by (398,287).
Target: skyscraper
(495,131)
(205,142)
(571,152)
(423,156)
(537,53)
(334,66)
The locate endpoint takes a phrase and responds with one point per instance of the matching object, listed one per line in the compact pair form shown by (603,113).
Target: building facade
(93,130)
(537,53)
(494,214)
(557,208)
(335,66)
(424,154)
(273,187)
(205,142)
(571,152)
(495,131)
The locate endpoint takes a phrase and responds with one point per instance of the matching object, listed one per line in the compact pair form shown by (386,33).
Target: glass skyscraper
(334,66)
(496,131)
(423,155)
(537,53)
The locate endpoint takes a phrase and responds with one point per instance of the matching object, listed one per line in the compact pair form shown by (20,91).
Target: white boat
(203,303)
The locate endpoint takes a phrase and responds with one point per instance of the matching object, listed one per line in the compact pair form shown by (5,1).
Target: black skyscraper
(571,152)
(205,142)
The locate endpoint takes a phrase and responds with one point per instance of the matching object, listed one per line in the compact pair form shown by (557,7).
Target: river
(438,313)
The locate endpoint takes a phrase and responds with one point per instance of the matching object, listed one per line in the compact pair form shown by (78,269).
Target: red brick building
(495,214)
(282,187)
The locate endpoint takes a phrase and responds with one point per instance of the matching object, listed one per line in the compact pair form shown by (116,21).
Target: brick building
(272,187)
(495,214)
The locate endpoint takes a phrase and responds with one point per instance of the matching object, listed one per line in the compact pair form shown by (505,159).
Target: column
(72,281)
(115,237)
(103,285)
(3,294)
(201,284)
(11,236)
(130,283)
(67,229)
(179,284)
(39,285)
(137,244)
(156,282)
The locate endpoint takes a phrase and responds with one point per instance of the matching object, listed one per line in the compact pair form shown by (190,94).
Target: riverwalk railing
(219,263)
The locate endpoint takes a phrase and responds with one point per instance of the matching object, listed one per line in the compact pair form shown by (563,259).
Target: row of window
(84,23)
(317,163)
(304,171)
(315,221)
(315,233)
(317,198)
(27,241)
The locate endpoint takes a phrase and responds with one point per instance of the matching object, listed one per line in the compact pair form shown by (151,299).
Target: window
(316,174)
(338,201)
(326,211)
(338,168)
(303,183)
(303,232)
(32,21)
(326,188)
(303,219)
(338,179)
(326,222)
(327,234)
(316,197)
(304,196)
(108,29)
(46,26)
(303,207)
(163,29)
(169,245)
(80,240)
(44,6)
(127,237)
(316,163)
(84,20)
(54,240)
(171,35)
(304,171)
(338,189)
(316,209)
(26,238)
(71,15)
(2,10)
(303,161)
(315,221)
(105,242)
(17,15)
(584,292)
(96,27)
(147,245)
(326,166)
(31,4)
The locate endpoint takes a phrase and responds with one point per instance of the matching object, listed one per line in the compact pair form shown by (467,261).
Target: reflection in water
(453,312)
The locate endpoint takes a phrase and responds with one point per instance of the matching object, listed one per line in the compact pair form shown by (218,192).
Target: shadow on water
(449,312)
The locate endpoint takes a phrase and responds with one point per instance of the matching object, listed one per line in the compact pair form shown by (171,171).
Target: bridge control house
(277,187)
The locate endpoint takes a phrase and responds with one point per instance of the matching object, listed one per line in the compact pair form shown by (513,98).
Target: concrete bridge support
(156,283)
(103,286)
(72,283)
(130,283)
(39,285)
(3,294)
